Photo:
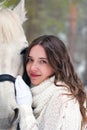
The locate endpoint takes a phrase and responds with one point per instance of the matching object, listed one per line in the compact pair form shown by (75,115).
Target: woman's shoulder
(62,89)
(62,100)
(62,94)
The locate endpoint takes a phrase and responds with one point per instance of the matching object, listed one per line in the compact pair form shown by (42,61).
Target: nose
(7,123)
(34,67)
(9,111)
(15,117)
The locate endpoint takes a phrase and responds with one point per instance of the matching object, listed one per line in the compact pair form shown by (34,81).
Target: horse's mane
(10,26)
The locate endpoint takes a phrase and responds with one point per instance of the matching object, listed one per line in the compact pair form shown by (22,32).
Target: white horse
(12,42)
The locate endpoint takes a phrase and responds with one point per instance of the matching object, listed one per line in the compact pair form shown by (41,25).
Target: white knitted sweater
(52,110)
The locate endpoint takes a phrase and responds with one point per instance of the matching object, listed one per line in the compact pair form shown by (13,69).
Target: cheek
(48,72)
(27,68)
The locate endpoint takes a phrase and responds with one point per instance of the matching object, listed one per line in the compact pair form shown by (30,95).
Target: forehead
(37,50)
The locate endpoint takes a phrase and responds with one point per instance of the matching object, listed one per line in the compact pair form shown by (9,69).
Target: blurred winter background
(64,18)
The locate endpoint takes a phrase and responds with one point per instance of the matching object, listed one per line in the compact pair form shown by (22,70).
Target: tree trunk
(72,29)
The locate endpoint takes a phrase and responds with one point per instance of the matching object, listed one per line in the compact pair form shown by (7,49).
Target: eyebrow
(42,58)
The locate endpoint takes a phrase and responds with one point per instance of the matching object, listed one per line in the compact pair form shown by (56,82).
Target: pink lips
(34,75)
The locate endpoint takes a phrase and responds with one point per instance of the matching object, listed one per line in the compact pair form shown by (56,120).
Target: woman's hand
(23,93)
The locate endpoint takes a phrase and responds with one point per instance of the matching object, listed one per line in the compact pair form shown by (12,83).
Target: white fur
(12,42)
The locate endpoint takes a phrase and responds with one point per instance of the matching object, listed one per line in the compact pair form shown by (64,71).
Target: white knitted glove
(23,93)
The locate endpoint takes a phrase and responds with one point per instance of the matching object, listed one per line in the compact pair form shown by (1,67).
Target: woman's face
(38,67)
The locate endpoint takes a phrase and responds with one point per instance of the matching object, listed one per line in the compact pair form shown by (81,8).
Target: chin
(35,84)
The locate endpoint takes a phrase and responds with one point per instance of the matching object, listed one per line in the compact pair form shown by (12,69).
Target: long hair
(59,60)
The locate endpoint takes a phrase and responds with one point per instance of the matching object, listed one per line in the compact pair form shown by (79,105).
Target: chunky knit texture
(53,109)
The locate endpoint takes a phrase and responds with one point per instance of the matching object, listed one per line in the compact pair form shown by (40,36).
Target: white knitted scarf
(42,94)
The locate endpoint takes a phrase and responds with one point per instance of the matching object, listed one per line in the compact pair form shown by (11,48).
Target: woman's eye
(43,62)
(29,59)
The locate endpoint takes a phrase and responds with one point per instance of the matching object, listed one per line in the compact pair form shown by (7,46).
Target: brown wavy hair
(59,59)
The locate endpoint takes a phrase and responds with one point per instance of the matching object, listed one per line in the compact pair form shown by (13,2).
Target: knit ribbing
(41,95)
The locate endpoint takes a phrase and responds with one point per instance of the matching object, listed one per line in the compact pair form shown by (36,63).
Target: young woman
(56,99)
